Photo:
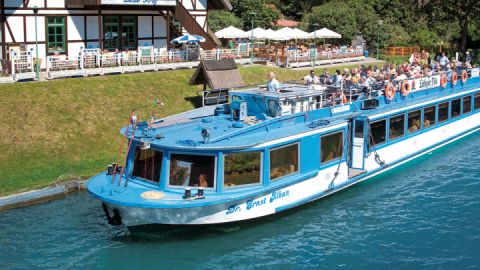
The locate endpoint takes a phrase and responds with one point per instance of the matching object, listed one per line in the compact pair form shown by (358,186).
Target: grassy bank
(70,128)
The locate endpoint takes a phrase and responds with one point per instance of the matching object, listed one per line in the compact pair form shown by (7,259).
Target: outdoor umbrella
(325,33)
(285,33)
(300,34)
(232,32)
(258,33)
(188,39)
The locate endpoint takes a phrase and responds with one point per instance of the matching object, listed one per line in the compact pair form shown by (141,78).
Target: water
(424,215)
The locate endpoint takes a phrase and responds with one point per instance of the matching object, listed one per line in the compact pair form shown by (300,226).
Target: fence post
(12,61)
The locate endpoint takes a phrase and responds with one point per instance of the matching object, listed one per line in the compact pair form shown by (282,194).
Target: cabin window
(467,104)
(397,126)
(192,170)
(443,112)
(414,121)
(147,164)
(120,32)
(331,146)
(476,101)
(56,34)
(456,107)
(242,169)
(283,161)
(429,117)
(379,131)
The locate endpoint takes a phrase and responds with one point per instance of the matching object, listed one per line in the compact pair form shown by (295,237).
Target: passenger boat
(264,153)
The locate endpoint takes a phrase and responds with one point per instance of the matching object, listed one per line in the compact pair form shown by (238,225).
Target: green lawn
(70,128)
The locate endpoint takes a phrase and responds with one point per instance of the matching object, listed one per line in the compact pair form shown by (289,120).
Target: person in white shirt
(444,61)
(311,78)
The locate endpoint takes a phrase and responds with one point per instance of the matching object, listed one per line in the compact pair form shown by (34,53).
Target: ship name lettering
(255,203)
(278,195)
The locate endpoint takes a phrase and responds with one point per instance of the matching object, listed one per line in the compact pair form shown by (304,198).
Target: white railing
(297,59)
(23,66)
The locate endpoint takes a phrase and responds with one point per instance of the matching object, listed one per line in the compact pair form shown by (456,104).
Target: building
(66,26)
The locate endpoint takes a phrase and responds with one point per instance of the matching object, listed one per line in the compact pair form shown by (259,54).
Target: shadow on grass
(195,101)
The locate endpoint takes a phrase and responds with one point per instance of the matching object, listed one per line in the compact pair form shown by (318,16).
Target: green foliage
(264,14)
(219,19)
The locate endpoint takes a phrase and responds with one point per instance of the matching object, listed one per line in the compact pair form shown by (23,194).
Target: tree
(463,12)
(265,15)
(218,20)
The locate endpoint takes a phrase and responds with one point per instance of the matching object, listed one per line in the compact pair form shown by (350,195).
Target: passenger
(325,78)
(311,78)
(273,85)
(355,76)
(202,180)
(443,61)
(338,78)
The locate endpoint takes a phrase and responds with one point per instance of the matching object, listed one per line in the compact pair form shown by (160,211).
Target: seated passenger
(202,180)
(311,78)
(325,78)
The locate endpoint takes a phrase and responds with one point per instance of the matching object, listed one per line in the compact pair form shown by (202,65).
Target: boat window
(283,161)
(467,104)
(242,169)
(397,126)
(414,121)
(443,112)
(192,170)
(456,107)
(476,101)
(331,146)
(379,131)
(429,117)
(147,164)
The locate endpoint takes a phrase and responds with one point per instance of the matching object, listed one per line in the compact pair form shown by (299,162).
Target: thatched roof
(218,74)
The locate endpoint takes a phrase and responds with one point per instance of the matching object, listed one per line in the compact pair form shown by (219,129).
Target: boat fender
(405,90)
(464,76)
(443,80)
(114,220)
(219,110)
(454,79)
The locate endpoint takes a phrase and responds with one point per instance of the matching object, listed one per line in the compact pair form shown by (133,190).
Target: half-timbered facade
(66,26)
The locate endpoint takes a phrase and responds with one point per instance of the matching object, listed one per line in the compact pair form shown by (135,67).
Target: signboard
(475,72)
(425,83)
(140,2)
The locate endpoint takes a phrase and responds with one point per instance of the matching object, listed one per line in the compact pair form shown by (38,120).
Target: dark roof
(218,74)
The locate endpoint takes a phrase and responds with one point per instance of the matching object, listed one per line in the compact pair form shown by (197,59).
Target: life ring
(344,98)
(389,91)
(405,90)
(443,80)
(464,76)
(454,79)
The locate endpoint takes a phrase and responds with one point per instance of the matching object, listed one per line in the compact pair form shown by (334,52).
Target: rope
(345,142)
(371,142)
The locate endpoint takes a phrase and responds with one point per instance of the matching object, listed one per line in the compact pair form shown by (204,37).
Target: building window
(414,121)
(147,164)
(120,32)
(192,170)
(283,161)
(476,101)
(456,107)
(379,131)
(56,34)
(331,147)
(242,169)
(397,126)
(443,112)
(467,104)
(429,117)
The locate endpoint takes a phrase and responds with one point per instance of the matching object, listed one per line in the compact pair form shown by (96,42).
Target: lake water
(425,215)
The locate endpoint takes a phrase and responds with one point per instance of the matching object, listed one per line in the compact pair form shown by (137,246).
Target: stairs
(191,25)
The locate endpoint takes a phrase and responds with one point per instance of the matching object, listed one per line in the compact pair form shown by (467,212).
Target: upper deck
(256,116)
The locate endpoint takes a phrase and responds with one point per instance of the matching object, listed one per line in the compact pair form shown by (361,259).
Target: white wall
(187,4)
(144,26)
(201,20)
(75,28)
(16,25)
(201,4)
(56,3)
(42,53)
(31,28)
(38,3)
(74,48)
(92,27)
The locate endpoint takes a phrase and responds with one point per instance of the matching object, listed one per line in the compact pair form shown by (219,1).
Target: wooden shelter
(220,76)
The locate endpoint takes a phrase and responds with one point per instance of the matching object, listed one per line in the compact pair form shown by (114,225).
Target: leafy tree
(265,14)
(218,20)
